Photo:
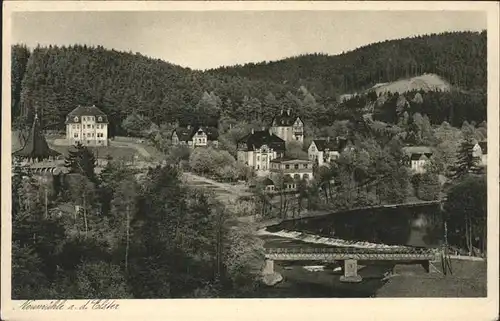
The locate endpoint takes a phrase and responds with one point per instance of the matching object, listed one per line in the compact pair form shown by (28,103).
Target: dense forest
(133,236)
(459,57)
(54,80)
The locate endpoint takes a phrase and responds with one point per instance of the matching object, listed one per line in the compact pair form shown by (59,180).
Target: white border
(269,309)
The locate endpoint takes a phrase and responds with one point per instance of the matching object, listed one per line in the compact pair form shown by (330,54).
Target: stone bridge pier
(269,276)
(350,270)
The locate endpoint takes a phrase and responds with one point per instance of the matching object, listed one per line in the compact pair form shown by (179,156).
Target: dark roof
(288,179)
(258,138)
(284,118)
(36,146)
(418,156)
(287,159)
(187,133)
(409,150)
(86,111)
(268,182)
(336,144)
(484,147)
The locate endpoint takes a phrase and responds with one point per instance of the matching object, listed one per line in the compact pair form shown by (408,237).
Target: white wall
(88,132)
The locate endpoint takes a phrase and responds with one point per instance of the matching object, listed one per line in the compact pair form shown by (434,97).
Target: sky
(203,40)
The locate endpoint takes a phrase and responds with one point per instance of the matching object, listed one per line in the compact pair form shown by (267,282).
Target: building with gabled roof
(323,151)
(258,148)
(87,125)
(195,136)
(288,126)
(417,157)
(480,152)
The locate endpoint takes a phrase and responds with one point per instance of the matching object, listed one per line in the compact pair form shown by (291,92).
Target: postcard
(250,160)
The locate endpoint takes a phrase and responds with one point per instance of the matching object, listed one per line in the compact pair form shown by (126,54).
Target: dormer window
(76,119)
(99,118)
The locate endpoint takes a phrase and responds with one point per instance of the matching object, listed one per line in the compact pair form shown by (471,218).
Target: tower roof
(36,146)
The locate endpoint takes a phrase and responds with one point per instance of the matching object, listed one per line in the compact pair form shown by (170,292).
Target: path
(236,190)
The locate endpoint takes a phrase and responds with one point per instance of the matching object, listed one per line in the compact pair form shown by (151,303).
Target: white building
(258,149)
(87,125)
(288,127)
(418,157)
(296,169)
(323,151)
(480,152)
(195,136)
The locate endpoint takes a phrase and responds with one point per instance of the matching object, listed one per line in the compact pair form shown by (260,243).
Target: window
(84,134)
(76,119)
(99,118)
(92,126)
(287,166)
(296,166)
(75,135)
(73,126)
(306,165)
(92,134)
(258,158)
(84,118)
(77,126)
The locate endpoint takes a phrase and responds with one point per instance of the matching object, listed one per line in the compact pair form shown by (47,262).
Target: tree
(428,186)
(136,125)
(124,206)
(81,161)
(466,213)
(81,191)
(20,57)
(295,150)
(447,145)
(97,280)
(465,161)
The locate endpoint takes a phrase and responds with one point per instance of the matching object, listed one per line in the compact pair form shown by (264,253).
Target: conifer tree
(81,161)
(465,163)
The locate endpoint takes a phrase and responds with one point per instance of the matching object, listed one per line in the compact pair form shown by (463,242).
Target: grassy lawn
(469,279)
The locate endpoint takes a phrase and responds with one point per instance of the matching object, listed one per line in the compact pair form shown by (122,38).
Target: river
(319,279)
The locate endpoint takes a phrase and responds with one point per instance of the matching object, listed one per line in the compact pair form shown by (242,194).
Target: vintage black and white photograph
(248,154)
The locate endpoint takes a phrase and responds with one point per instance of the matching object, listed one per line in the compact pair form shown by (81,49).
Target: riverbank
(469,279)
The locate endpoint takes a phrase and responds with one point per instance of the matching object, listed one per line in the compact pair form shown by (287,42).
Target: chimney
(282,112)
(328,139)
(270,132)
(188,126)
(263,128)
(252,131)
(288,111)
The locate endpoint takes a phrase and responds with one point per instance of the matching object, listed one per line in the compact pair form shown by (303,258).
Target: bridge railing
(332,250)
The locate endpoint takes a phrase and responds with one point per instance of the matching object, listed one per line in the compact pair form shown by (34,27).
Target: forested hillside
(54,80)
(459,57)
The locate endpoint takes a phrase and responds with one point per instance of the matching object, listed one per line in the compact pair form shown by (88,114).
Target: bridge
(350,257)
